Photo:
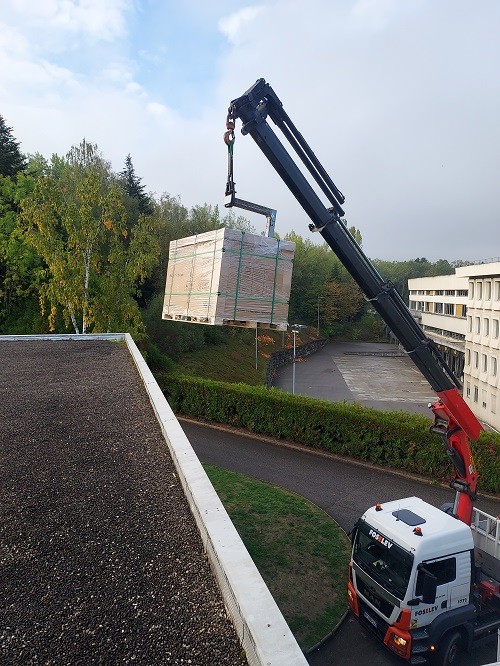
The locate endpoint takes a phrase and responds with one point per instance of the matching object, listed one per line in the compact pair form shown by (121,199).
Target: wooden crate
(229,277)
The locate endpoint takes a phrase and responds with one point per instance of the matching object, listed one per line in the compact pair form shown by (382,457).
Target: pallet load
(229,277)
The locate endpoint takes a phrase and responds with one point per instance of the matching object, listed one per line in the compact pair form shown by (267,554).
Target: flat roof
(101,556)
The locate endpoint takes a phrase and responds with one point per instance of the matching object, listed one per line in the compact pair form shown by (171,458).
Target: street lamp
(295,329)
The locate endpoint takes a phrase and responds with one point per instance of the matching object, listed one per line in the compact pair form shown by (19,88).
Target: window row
(483,326)
(452,309)
(487,401)
(484,290)
(482,362)
(439,292)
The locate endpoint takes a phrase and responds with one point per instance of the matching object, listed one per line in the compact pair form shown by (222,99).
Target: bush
(400,440)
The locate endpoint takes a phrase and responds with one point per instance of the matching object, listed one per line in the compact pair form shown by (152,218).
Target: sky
(399,100)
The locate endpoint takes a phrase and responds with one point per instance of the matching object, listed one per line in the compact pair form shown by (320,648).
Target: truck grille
(371,621)
(385,607)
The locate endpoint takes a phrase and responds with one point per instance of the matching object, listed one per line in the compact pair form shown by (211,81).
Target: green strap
(238,275)
(275,277)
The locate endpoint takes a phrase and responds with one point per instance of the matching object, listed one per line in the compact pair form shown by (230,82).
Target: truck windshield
(383,560)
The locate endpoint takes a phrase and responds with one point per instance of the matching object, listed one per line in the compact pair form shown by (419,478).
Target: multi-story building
(461,313)
(482,349)
(439,304)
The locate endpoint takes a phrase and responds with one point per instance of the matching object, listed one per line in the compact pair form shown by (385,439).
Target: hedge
(396,439)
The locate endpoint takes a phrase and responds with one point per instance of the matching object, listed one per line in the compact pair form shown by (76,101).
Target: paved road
(355,373)
(344,490)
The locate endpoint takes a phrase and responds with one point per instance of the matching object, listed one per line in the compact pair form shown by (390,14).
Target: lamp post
(295,329)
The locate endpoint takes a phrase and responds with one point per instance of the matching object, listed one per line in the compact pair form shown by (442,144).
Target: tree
(132,185)
(11,158)
(20,265)
(76,220)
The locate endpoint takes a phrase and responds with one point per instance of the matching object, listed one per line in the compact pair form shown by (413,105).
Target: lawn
(301,553)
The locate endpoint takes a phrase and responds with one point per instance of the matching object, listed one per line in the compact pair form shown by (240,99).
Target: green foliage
(21,267)
(76,220)
(398,272)
(11,159)
(399,440)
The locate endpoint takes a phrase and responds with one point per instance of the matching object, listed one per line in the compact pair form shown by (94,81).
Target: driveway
(377,375)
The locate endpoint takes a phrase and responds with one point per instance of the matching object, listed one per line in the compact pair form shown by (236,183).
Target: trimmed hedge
(396,439)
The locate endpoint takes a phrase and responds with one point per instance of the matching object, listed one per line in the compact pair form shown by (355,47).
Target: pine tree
(134,188)
(11,158)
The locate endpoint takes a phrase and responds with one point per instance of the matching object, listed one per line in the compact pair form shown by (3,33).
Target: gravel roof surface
(101,561)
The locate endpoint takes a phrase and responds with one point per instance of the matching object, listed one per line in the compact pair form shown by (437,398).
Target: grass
(301,553)
(234,360)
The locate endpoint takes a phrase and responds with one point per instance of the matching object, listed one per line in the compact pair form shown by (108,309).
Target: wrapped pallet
(229,277)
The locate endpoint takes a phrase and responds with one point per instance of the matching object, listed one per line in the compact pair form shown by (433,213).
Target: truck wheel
(449,652)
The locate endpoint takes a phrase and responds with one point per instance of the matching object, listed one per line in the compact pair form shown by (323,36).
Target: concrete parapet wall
(264,633)
(262,630)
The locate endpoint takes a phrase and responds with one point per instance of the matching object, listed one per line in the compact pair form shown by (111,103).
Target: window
(467,357)
(493,403)
(462,292)
(484,362)
(495,328)
(476,394)
(479,290)
(478,325)
(497,290)
(471,291)
(484,397)
(467,388)
(486,326)
(475,357)
(438,308)
(449,292)
(444,570)
(494,366)
(469,324)
(487,290)
(449,308)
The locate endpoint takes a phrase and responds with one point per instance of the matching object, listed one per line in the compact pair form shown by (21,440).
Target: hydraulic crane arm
(454,421)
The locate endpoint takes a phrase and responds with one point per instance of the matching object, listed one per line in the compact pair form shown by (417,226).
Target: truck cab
(411,574)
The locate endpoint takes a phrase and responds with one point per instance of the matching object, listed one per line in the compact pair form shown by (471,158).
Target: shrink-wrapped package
(229,277)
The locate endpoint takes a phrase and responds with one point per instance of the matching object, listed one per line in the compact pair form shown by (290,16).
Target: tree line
(85,249)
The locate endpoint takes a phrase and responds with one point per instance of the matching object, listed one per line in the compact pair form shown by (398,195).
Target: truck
(423,579)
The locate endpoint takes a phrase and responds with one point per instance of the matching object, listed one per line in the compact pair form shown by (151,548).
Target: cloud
(234,26)
(399,103)
(96,19)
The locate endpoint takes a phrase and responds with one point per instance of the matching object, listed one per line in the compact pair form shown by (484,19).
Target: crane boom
(454,420)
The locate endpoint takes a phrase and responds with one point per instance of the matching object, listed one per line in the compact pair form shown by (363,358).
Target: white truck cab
(412,576)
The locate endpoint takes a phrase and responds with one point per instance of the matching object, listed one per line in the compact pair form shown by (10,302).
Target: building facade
(439,304)
(482,350)
(461,313)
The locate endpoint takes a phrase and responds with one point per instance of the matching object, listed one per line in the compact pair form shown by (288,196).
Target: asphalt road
(374,375)
(344,490)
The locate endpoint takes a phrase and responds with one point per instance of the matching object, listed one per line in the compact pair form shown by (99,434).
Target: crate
(229,277)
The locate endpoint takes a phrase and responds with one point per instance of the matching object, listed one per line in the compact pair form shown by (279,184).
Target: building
(461,313)
(440,304)
(482,348)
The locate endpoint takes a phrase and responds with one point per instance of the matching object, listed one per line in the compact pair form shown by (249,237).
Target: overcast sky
(399,99)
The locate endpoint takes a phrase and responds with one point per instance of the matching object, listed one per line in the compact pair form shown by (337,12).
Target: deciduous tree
(76,219)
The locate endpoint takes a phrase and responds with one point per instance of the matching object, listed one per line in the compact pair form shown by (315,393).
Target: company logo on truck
(382,540)
(424,611)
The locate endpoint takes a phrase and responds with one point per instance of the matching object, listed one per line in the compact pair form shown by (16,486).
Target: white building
(482,349)
(440,306)
(461,313)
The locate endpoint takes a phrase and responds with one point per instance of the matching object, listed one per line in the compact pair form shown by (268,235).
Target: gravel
(101,561)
